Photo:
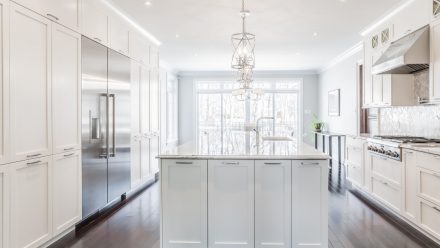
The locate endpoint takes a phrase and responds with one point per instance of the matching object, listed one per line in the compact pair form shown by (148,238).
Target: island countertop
(300,151)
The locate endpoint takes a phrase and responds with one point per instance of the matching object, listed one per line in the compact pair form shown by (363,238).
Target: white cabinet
(309,204)
(31,203)
(273,199)
(95,21)
(66,190)
(231,204)
(119,35)
(139,48)
(136,136)
(65,12)
(355,160)
(145,122)
(430,218)
(66,89)
(185,203)
(154,119)
(411,18)
(4,206)
(30,70)
(4,82)
(410,200)
(154,57)
(435,62)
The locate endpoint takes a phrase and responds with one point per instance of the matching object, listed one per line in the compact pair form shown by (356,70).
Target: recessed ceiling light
(177,35)
(315,34)
(148,3)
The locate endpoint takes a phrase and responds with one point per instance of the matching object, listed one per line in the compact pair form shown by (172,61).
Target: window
(228,126)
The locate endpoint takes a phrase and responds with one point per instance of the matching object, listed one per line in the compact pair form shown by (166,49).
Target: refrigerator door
(119,125)
(94,126)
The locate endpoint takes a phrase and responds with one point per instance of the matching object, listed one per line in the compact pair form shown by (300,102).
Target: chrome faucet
(257,131)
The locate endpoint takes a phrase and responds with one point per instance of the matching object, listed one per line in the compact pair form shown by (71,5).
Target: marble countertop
(433,148)
(301,152)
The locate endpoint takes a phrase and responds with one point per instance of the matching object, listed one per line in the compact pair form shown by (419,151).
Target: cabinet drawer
(355,174)
(387,168)
(428,161)
(429,185)
(386,192)
(430,217)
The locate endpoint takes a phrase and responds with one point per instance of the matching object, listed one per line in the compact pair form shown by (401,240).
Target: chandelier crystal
(243,60)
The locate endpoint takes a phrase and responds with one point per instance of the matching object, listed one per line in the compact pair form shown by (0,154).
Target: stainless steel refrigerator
(105,126)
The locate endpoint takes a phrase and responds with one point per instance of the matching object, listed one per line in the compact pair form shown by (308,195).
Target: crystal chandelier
(243,60)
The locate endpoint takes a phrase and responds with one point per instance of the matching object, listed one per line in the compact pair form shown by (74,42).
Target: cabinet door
(273,199)
(435,61)
(31,203)
(145,122)
(4,206)
(154,57)
(135,124)
(95,21)
(377,82)
(139,48)
(430,217)
(184,203)
(66,189)
(411,18)
(368,78)
(386,89)
(231,204)
(66,89)
(30,91)
(154,119)
(119,36)
(4,82)
(309,204)
(410,199)
(65,12)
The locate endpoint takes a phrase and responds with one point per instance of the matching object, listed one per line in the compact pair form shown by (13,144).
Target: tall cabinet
(4,82)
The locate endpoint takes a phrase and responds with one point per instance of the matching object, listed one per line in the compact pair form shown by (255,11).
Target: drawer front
(386,192)
(387,168)
(430,217)
(354,150)
(355,174)
(429,185)
(428,161)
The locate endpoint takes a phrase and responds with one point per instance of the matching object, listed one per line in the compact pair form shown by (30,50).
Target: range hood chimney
(407,55)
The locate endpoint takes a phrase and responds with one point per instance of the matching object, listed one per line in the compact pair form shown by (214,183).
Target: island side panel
(310,203)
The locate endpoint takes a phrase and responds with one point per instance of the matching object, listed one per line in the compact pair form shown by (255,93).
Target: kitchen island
(244,200)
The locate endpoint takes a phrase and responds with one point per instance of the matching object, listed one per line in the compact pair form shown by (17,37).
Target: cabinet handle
(309,164)
(184,162)
(436,208)
(69,155)
(33,155)
(53,17)
(437,157)
(69,149)
(231,163)
(34,163)
(272,163)
(97,39)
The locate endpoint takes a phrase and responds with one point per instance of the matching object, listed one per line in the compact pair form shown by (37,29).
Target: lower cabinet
(273,201)
(31,208)
(231,204)
(184,203)
(66,190)
(430,218)
(410,206)
(4,206)
(309,204)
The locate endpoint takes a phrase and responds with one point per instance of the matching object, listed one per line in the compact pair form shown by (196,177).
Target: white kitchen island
(243,201)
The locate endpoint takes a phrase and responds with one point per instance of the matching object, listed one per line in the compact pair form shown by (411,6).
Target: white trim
(138,27)
(257,74)
(343,56)
(394,11)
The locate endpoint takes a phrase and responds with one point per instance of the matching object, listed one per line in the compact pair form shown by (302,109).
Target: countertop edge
(421,149)
(232,157)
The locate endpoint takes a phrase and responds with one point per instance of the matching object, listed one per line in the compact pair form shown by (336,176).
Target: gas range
(390,146)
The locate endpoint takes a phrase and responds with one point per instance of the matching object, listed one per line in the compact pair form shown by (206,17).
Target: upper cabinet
(139,49)
(154,56)
(96,21)
(4,82)
(30,47)
(435,62)
(66,89)
(411,18)
(119,35)
(65,12)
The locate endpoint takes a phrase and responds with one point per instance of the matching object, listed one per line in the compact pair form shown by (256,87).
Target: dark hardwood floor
(352,223)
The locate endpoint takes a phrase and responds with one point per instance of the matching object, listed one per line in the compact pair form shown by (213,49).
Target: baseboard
(407,227)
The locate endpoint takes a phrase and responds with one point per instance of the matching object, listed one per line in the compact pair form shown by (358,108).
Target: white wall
(186,98)
(343,76)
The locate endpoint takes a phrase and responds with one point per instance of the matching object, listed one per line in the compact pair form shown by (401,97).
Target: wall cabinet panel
(4,83)
(96,21)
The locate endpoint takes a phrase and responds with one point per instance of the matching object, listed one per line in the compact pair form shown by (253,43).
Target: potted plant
(317,124)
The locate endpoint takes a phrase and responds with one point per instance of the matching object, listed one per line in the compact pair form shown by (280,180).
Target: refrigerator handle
(113,125)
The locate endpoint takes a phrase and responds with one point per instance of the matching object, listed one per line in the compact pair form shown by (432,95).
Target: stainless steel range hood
(406,55)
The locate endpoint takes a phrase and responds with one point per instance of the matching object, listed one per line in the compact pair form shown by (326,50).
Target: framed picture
(334,102)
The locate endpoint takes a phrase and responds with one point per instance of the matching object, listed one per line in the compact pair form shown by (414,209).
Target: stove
(390,146)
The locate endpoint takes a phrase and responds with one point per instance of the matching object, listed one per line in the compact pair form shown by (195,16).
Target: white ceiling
(284,29)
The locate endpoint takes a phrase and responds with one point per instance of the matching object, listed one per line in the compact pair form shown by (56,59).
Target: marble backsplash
(421,120)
